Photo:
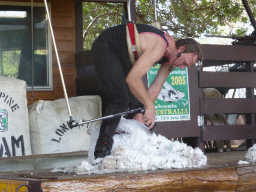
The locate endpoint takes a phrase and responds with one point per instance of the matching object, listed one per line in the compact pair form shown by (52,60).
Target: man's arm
(155,50)
(156,86)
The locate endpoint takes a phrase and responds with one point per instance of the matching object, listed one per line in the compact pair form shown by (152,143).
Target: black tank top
(115,39)
(142,28)
(150,29)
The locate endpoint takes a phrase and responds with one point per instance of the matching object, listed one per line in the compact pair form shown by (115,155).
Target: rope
(58,59)
(32,41)
(156,23)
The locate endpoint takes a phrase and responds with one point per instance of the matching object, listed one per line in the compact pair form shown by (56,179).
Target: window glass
(24,45)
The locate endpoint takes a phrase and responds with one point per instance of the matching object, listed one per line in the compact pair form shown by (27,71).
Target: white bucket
(49,130)
(14,125)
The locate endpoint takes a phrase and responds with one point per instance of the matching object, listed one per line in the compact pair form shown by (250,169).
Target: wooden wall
(63,22)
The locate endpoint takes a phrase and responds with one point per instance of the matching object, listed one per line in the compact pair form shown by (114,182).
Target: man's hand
(148,118)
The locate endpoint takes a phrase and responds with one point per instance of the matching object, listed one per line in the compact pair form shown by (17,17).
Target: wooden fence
(216,55)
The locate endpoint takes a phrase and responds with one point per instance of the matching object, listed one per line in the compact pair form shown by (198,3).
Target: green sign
(3,120)
(172,103)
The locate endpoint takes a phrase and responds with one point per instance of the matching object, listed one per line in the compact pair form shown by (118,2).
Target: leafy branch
(86,32)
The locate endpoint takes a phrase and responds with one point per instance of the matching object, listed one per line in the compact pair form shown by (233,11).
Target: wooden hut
(66,18)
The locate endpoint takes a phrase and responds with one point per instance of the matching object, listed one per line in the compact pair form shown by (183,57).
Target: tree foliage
(191,18)
(98,16)
(181,18)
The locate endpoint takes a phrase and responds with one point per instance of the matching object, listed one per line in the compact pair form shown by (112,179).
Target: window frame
(49,62)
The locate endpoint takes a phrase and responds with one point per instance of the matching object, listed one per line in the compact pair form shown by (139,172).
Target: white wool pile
(241,162)
(136,148)
(251,154)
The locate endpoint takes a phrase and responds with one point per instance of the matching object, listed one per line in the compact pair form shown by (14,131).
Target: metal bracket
(198,65)
(133,47)
(200,120)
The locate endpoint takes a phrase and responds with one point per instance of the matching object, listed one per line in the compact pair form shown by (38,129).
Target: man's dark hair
(191,46)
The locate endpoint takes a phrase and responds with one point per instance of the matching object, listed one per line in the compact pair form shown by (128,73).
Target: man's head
(188,52)
(189,46)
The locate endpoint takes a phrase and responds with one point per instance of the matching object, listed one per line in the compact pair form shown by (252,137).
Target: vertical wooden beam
(200,143)
(133,11)
(252,92)
(78,26)
(1,62)
(250,118)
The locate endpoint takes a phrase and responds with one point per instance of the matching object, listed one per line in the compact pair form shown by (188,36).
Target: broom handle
(58,59)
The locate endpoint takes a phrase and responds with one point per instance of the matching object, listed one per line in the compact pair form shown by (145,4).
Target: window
(25,45)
